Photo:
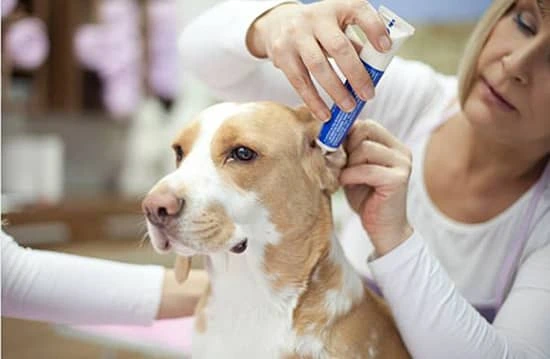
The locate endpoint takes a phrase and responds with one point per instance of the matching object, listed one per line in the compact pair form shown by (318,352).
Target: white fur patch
(309,345)
(339,301)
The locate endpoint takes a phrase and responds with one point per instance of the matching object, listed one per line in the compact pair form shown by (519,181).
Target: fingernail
(323,116)
(384,43)
(367,92)
(326,116)
(348,105)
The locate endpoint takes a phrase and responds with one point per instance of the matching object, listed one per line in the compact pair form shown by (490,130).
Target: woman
(461,237)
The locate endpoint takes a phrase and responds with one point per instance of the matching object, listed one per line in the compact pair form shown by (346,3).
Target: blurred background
(92,93)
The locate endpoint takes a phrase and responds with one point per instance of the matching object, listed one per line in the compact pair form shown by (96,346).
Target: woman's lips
(493,97)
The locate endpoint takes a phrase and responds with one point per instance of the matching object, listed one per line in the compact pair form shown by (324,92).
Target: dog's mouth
(165,243)
(240,247)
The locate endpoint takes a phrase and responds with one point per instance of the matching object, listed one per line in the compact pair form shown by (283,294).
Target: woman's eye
(243,154)
(524,25)
(179,153)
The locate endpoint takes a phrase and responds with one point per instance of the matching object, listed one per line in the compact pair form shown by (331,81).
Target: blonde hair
(467,67)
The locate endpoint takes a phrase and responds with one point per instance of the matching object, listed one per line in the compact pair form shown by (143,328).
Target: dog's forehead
(250,120)
(265,122)
(205,124)
(258,116)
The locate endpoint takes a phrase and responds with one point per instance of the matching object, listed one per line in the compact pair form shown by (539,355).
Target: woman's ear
(182,266)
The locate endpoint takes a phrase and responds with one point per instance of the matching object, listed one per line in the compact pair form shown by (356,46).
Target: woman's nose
(518,64)
(515,69)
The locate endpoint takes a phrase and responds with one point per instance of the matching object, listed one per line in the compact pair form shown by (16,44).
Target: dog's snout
(162,207)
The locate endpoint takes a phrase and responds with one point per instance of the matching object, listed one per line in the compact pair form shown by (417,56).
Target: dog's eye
(179,153)
(242,153)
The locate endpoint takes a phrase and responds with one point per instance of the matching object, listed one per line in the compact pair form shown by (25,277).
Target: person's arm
(226,46)
(180,299)
(436,321)
(62,288)
(214,49)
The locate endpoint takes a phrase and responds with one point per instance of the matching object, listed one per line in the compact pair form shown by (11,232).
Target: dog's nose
(162,207)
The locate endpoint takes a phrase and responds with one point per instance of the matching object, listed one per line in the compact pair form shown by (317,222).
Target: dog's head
(246,175)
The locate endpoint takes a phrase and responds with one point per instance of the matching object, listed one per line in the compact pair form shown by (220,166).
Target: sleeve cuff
(396,258)
(151,294)
(236,34)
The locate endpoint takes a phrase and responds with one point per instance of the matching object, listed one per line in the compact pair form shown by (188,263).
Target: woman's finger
(364,15)
(317,63)
(375,153)
(373,131)
(298,76)
(375,176)
(341,49)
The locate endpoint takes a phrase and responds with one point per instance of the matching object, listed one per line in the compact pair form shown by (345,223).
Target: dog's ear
(305,116)
(182,266)
(324,167)
(334,163)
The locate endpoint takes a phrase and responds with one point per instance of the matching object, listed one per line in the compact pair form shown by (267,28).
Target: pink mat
(169,335)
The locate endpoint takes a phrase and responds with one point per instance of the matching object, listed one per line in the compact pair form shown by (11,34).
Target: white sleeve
(62,288)
(213,48)
(435,321)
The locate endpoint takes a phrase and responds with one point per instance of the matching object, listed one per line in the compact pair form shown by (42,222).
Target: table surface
(165,337)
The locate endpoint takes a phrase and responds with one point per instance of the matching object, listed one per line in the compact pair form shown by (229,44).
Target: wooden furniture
(86,219)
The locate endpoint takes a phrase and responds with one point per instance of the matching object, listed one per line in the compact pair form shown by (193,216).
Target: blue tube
(335,130)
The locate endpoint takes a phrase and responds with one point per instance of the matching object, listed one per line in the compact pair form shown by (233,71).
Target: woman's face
(510,98)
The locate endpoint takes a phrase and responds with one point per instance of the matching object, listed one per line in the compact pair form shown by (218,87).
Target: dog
(252,192)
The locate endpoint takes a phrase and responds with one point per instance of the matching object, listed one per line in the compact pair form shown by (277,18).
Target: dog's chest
(245,316)
(256,334)
(245,319)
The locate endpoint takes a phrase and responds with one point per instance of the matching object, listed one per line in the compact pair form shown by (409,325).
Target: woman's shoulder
(411,96)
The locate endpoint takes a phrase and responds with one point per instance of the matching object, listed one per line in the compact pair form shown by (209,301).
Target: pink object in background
(122,94)
(27,43)
(113,49)
(119,12)
(107,49)
(164,76)
(8,6)
(88,44)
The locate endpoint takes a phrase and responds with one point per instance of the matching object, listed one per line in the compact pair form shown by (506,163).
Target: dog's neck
(298,271)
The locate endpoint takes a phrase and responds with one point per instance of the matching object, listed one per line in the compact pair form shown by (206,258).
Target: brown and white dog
(251,191)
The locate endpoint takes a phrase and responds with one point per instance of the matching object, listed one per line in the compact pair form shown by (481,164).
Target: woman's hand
(179,300)
(375,181)
(298,38)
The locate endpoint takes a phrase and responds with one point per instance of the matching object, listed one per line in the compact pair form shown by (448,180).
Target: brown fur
(187,137)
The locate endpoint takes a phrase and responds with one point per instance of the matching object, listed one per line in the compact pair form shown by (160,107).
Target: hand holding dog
(375,181)
(298,39)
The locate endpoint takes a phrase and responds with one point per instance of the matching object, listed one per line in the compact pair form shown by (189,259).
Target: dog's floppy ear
(182,266)
(324,167)
(334,163)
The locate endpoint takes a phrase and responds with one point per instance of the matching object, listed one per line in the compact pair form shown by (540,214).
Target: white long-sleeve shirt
(63,288)
(435,279)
